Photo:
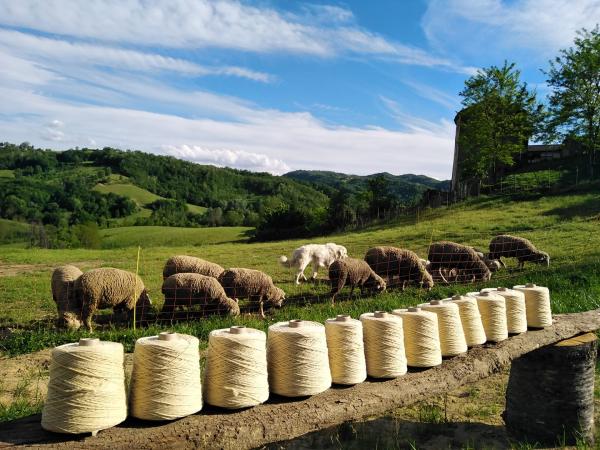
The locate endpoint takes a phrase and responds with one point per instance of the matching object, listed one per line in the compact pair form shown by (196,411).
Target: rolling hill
(408,188)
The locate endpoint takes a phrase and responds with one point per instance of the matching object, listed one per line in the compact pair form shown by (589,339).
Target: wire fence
(480,259)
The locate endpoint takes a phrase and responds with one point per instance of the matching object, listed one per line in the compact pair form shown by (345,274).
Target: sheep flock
(206,288)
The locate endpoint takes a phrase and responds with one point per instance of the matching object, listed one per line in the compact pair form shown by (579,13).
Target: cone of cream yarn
(384,344)
(297,358)
(165,381)
(235,375)
(470,319)
(346,350)
(516,318)
(452,336)
(492,308)
(421,337)
(537,303)
(86,391)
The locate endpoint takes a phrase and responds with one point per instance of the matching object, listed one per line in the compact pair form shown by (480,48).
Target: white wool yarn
(470,319)
(421,337)
(537,304)
(516,317)
(384,344)
(492,308)
(86,391)
(165,381)
(452,336)
(346,350)
(297,358)
(235,375)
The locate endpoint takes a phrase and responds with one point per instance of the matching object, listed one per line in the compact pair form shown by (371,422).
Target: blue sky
(354,86)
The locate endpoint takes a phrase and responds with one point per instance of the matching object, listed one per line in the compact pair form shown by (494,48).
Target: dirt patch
(12,270)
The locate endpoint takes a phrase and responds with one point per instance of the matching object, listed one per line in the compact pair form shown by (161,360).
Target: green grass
(7,173)
(142,197)
(562,225)
(153,236)
(13,231)
(26,398)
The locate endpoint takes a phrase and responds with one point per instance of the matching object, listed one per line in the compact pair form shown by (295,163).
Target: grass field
(7,173)
(120,185)
(566,226)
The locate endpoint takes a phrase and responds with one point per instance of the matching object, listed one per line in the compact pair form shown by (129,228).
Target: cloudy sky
(354,86)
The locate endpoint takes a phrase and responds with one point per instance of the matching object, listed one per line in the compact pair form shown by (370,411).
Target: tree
(574,105)
(500,115)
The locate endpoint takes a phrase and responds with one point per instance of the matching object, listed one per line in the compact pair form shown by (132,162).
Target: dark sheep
(508,246)
(353,272)
(253,284)
(450,255)
(391,262)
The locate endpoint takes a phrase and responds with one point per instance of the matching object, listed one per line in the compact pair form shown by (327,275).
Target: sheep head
(69,320)
(276,296)
(544,258)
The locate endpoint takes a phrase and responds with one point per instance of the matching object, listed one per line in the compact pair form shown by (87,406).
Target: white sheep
(66,293)
(112,288)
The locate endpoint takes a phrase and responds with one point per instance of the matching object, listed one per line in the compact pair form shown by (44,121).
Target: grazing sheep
(450,255)
(390,262)
(252,284)
(111,288)
(66,293)
(193,289)
(191,264)
(493,264)
(353,272)
(321,255)
(508,246)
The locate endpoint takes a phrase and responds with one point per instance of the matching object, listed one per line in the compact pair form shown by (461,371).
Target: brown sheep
(112,288)
(252,284)
(450,255)
(508,246)
(353,272)
(390,262)
(193,289)
(66,293)
(191,264)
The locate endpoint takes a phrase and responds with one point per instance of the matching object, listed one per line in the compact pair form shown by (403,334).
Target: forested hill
(74,185)
(407,188)
(60,190)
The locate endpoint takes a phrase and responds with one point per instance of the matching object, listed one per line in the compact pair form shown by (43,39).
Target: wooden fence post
(550,393)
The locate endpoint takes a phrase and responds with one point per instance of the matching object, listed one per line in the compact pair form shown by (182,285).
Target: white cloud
(54,53)
(229,158)
(297,139)
(219,24)
(478,26)
(431,93)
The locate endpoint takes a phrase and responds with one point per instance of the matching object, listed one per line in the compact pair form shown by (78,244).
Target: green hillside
(121,185)
(408,188)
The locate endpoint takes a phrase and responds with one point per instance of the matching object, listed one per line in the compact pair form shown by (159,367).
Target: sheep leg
(404,284)
(87,312)
(521,264)
(261,307)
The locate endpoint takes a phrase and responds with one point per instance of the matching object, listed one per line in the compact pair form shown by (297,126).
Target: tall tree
(500,115)
(574,105)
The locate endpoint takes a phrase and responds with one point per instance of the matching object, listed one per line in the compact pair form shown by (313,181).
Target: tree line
(54,192)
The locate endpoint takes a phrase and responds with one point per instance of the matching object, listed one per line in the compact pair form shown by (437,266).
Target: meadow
(565,225)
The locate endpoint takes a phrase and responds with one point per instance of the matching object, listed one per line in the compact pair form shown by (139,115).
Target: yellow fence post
(137,269)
